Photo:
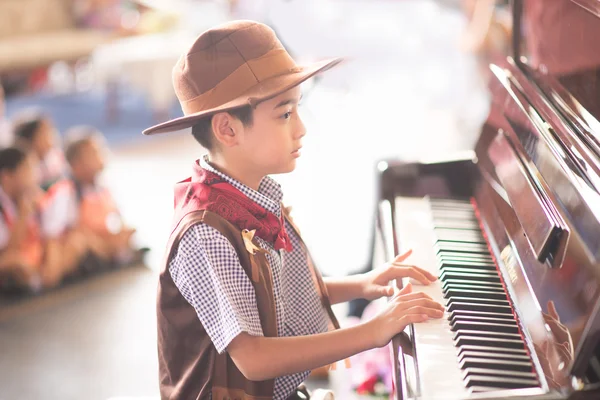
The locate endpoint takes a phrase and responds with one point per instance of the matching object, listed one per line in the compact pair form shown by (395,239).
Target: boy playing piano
(242,312)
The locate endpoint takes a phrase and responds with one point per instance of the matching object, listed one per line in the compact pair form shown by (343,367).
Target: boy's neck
(234,171)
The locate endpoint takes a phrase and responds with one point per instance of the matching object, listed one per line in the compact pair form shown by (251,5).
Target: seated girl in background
(36,132)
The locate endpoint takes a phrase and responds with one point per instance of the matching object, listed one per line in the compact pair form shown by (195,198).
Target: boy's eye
(287,115)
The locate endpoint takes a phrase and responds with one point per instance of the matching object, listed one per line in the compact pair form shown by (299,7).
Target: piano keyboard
(478,347)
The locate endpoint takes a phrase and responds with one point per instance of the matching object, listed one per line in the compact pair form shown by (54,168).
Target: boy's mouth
(296,152)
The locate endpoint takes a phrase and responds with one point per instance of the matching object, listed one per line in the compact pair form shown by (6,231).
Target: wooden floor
(92,340)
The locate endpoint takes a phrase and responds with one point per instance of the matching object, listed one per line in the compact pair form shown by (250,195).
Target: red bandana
(206,190)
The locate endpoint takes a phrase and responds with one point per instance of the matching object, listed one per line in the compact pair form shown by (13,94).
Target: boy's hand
(405,308)
(375,283)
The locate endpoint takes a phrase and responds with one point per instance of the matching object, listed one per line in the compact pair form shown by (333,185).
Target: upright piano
(512,229)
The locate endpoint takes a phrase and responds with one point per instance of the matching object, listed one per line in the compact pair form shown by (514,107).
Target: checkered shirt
(207,271)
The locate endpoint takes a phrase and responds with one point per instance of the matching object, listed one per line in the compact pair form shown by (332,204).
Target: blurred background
(413,88)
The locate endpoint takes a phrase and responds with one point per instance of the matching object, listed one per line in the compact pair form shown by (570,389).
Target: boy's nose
(300,130)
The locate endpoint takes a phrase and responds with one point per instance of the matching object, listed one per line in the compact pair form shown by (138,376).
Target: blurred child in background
(36,132)
(83,205)
(28,260)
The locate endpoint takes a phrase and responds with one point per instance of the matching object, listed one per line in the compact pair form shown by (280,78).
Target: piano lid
(542,158)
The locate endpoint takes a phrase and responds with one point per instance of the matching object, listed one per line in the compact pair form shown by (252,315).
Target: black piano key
(459,234)
(483,389)
(465,257)
(440,216)
(499,373)
(469,270)
(469,277)
(486,334)
(493,349)
(441,223)
(482,286)
(483,320)
(459,247)
(452,234)
(475,302)
(480,314)
(499,383)
(476,273)
(451,201)
(489,342)
(474,285)
(455,306)
(483,326)
(458,250)
(452,292)
(452,259)
(468,265)
(461,240)
(504,365)
(446,275)
(496,356)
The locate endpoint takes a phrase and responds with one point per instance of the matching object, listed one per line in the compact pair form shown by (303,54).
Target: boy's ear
(225,129)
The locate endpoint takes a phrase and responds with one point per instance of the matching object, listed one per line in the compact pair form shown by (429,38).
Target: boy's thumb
(405,290)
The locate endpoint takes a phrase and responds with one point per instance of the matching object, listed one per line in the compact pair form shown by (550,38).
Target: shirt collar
(268,196)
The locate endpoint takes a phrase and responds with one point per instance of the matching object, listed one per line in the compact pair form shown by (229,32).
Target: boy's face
(89,162)
(271,144)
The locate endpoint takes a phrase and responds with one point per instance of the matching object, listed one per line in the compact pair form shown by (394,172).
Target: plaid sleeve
(208,273)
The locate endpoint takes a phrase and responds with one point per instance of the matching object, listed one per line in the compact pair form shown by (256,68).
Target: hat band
(274,63)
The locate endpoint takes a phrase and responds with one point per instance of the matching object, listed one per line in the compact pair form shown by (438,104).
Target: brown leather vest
(189,364)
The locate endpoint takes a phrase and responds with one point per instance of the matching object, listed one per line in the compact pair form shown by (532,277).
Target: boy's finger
(414,295)
(410,272)
(403,257)
(386,291)
(431,312)
(427,274)
(404,291)
(426,303)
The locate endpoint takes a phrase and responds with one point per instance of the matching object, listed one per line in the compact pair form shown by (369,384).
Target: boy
(242,312)
(80,204)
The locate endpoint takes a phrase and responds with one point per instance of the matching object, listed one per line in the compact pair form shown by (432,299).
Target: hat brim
(261,92)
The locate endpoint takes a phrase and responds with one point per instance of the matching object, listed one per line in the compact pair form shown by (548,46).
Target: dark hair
(202,131)
(27,125)
(77,137)
(11,158)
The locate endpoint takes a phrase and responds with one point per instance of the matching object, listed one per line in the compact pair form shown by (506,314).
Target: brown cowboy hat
(236,64)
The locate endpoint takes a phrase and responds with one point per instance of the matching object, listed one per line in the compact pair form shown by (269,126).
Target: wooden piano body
(513,229)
